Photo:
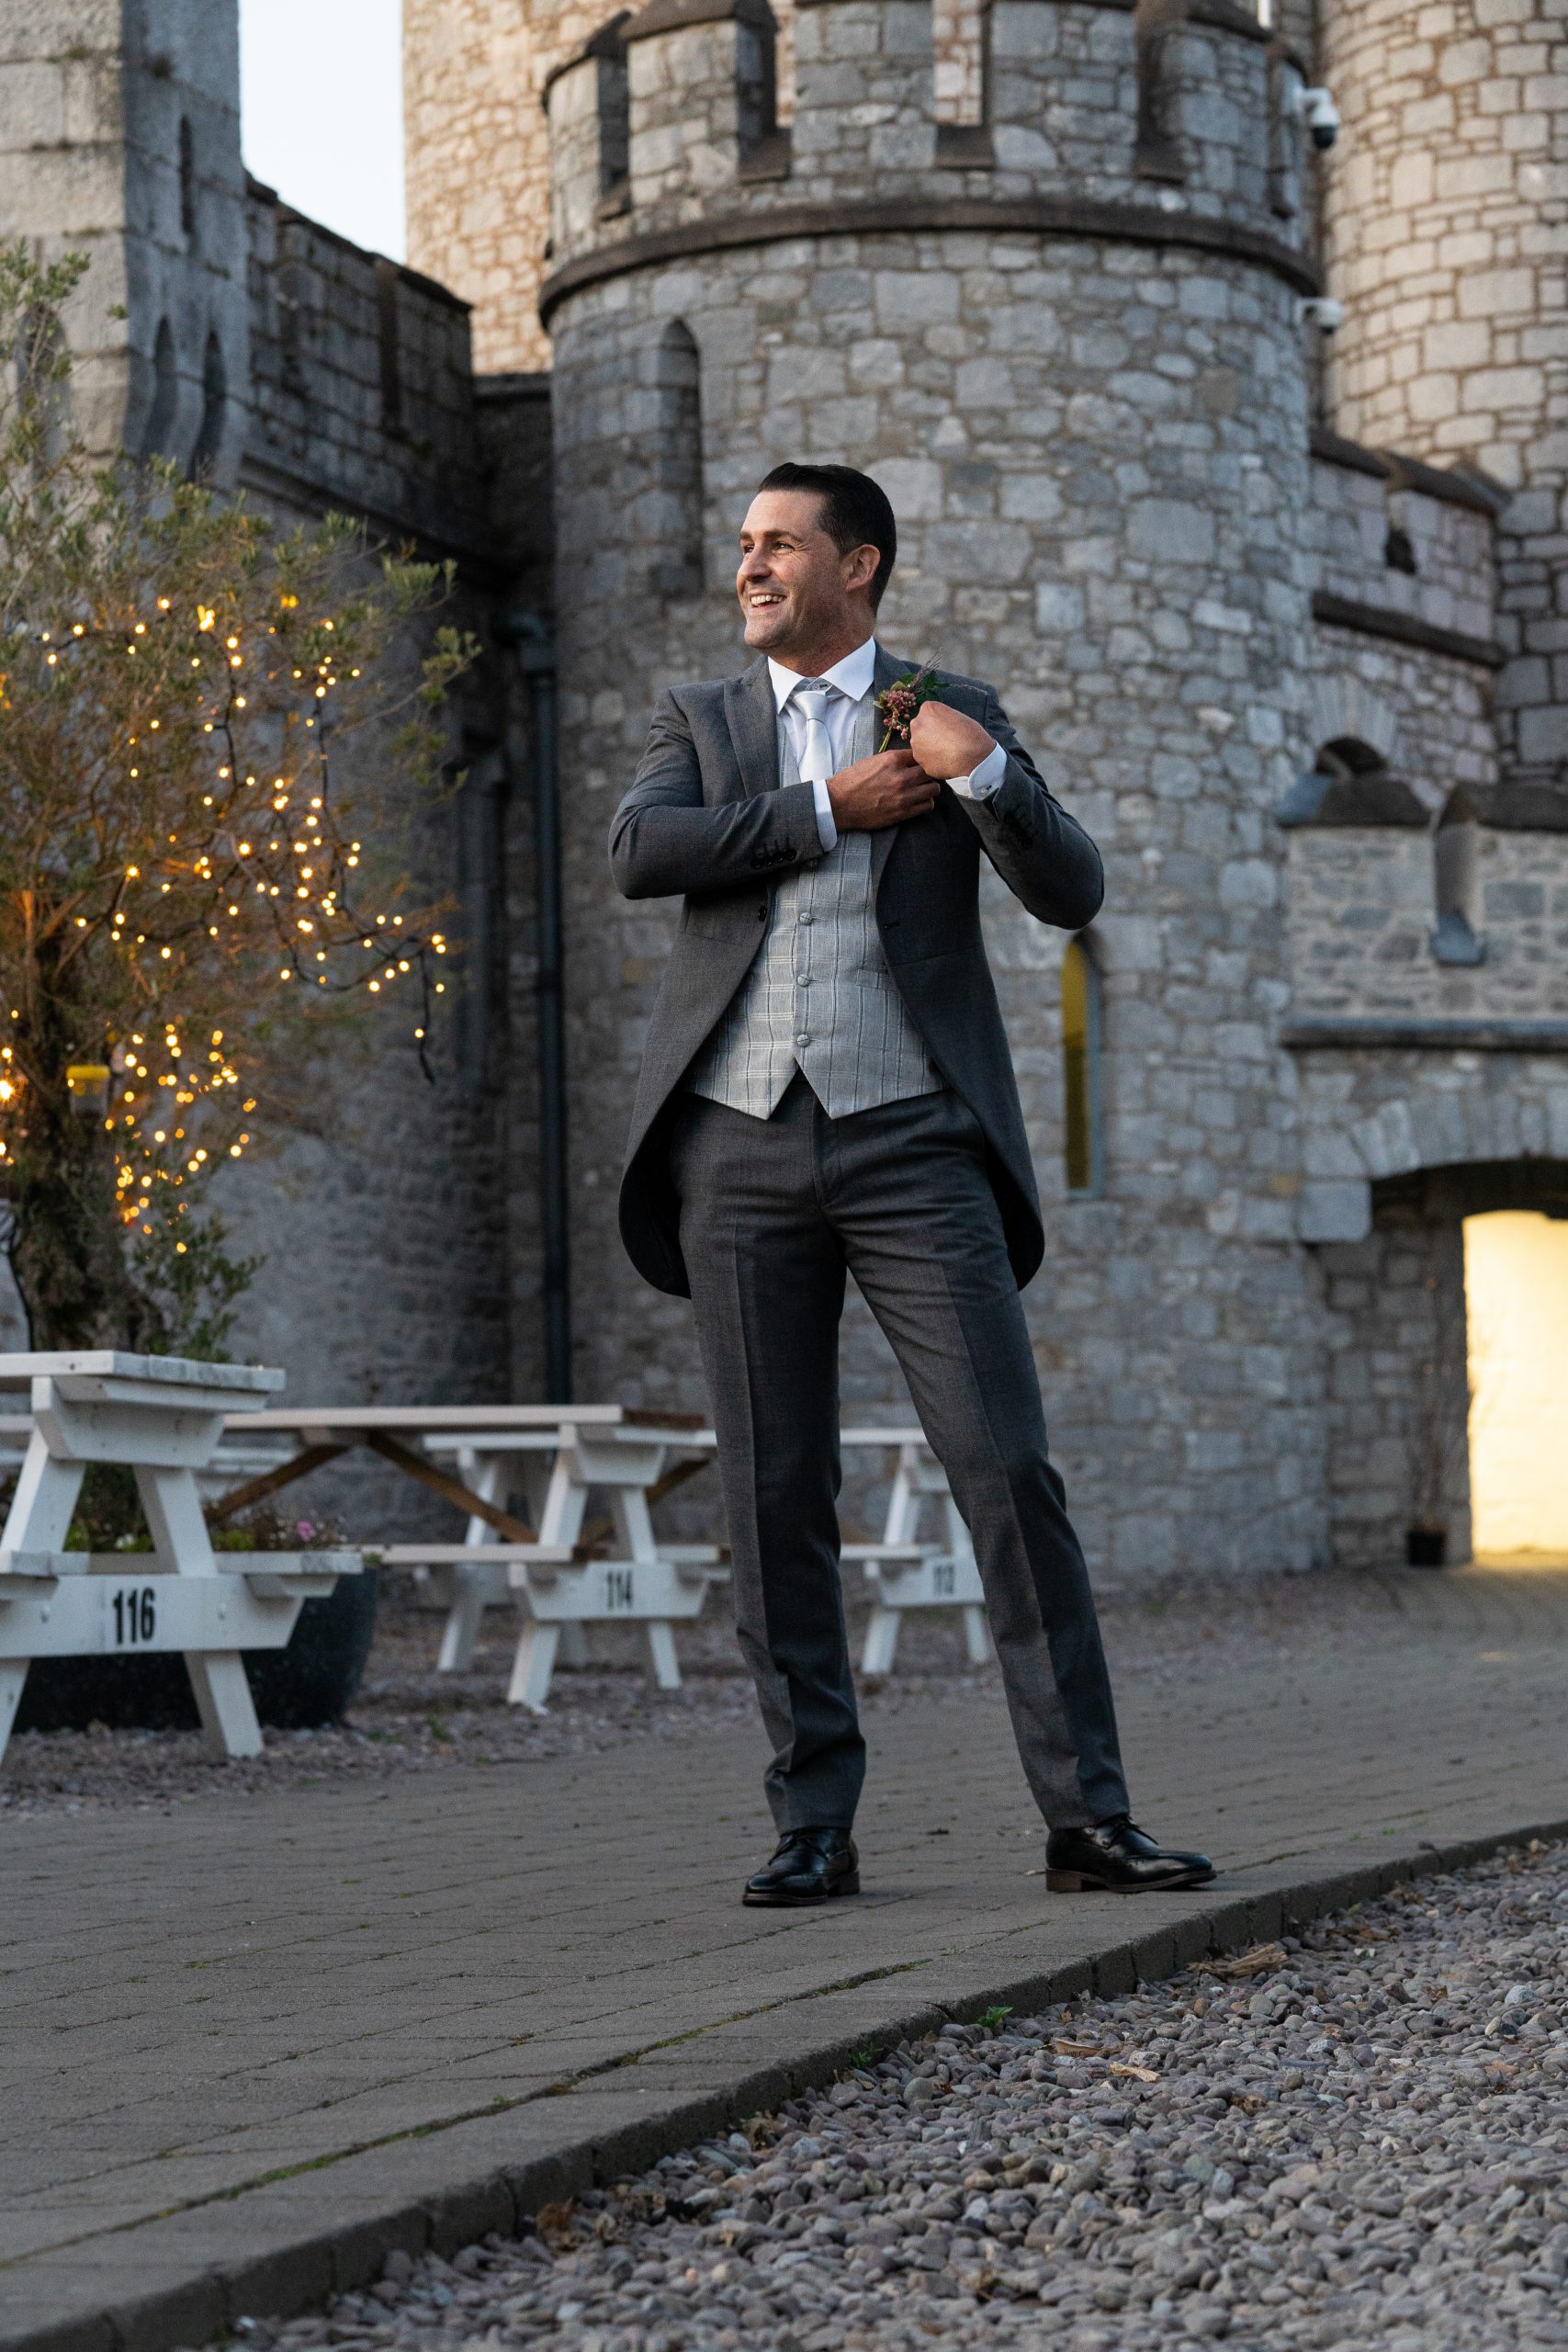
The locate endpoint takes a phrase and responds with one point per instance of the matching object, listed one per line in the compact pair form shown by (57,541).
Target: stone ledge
(284,2246)
(1403,628)
(1044,216)
(1430,1035)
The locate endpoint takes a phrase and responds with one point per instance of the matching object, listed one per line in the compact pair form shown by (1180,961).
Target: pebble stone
(1351,2137)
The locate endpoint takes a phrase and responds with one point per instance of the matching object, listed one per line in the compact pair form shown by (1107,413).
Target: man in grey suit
(826,1088)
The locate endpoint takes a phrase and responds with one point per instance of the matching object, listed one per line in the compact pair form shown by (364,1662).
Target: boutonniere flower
(898,704)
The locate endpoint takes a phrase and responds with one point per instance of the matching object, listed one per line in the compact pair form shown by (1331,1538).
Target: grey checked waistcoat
(819,997)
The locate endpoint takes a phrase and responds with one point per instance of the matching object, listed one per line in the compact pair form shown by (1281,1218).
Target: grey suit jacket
(706,819)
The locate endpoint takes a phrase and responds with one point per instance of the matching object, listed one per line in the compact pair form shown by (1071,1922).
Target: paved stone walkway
(246,2047)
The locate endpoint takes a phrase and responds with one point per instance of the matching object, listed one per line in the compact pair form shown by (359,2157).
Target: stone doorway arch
(1398,1385)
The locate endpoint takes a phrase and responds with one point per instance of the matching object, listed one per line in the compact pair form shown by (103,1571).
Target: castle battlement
(1174,121)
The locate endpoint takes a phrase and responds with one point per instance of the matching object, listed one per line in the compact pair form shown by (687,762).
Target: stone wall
(361,385)
(477,156)
(1446,206)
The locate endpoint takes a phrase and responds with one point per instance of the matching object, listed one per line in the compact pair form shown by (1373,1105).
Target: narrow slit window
(676,515)
(214,399)
(1083,1141)
(187,181)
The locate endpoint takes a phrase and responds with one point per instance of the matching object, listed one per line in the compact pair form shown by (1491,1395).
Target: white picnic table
(547,1460)
(162,1417)
(565,1571)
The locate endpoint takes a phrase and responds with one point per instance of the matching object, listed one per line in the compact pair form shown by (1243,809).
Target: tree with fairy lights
(186,889)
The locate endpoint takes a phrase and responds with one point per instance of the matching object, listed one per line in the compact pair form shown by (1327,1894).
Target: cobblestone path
(231,2029)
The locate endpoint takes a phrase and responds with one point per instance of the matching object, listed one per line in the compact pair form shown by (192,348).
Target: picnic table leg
(39,1521)
(561,1521)
(881,1640)
(179,1534)
(13,1681)
(45,1500)
(470,1587)
(634,1525)
(977,1634)
(533,1667)
(661,1650)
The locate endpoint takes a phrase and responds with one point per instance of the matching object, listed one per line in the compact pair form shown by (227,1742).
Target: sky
(321,111)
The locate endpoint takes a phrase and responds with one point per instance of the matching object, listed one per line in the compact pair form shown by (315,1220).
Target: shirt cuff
(827,830)
(982,780)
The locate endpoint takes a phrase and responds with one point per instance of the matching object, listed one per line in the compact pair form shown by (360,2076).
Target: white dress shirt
(854,677)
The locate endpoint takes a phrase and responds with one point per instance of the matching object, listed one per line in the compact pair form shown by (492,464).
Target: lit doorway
(1515,1282)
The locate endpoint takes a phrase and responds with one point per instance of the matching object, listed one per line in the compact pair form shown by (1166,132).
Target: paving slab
(250,2046)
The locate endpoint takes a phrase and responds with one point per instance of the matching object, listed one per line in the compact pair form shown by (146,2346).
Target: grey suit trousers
(773,1212)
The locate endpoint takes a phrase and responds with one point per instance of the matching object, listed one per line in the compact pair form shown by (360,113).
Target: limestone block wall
(1397,1393)
(1362,908)
(478,157)
(1363,511)
(361,381)
(1446,204)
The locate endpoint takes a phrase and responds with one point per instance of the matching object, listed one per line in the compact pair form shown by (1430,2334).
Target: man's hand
(946,743)
(882,790)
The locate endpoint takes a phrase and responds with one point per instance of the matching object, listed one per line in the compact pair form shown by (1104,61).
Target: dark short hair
(855,512)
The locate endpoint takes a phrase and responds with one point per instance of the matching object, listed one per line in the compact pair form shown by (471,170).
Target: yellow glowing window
(1516,1281)
(1083,1147)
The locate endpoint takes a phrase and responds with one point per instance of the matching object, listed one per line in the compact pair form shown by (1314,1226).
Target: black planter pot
(1425,1547)
(309,1682)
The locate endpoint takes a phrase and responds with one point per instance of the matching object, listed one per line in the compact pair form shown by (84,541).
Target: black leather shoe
(1115,1858)
(808,1865)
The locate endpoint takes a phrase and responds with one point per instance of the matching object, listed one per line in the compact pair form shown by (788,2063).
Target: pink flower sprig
(898,704)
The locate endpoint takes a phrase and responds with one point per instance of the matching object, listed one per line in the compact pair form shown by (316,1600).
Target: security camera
(1317,110)
(1324,312)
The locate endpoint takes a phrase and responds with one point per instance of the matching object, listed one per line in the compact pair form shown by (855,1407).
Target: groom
(827,1089)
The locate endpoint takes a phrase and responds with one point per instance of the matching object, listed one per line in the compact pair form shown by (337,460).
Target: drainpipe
(531,635)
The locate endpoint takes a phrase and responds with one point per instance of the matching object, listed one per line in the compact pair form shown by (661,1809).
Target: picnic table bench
(566,1571)
(163,1417)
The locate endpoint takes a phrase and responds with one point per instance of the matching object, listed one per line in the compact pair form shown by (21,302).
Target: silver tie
(816,762)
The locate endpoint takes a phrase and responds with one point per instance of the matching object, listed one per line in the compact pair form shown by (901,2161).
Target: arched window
(1083,1122)
(187,181)
(158,431)
(678,464)
(1350,784)
(1456,862)
(214,396)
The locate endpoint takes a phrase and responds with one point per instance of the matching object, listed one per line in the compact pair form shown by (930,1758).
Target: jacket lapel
(886,670)
(753,722)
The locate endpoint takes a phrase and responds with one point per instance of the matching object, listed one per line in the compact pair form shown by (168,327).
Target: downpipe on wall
(532,637)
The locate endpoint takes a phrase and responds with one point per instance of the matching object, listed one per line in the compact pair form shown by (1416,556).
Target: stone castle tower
(1282,617)
(1283,634)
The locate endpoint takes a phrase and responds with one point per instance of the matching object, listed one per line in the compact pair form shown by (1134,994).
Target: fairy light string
(256,870)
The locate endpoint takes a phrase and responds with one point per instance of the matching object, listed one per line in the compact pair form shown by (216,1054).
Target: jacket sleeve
(1044,856)
(666,841)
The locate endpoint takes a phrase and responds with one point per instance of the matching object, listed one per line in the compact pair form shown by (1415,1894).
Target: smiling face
(806,602)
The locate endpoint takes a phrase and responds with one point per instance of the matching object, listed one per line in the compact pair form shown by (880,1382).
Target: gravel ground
(409,1718)
(1356,2137)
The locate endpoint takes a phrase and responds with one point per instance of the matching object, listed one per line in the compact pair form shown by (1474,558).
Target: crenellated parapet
(1168,121)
